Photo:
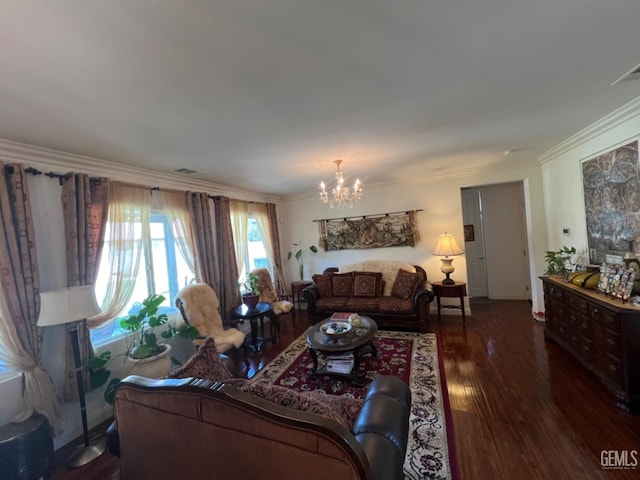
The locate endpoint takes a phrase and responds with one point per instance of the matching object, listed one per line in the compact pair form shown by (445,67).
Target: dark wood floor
(522,408)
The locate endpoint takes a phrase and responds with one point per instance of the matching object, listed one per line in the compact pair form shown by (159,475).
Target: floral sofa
(394,294)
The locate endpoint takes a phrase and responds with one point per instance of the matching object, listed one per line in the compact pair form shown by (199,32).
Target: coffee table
(358,341)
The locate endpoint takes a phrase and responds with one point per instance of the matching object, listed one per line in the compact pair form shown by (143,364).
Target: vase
(152,367)
(301,270)
(251,300)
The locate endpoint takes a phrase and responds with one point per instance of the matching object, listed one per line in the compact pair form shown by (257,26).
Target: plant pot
(250,300)
(152,367)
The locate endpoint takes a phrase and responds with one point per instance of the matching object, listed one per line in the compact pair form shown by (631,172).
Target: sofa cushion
(367,284)
(388,268)
(324,284)
(342,284)
(205,363)
(363,305)
(335,304)
(396,305)
(343,410)
(405,284)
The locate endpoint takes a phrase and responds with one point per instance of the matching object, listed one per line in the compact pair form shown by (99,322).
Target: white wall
(562,177)
(440,200)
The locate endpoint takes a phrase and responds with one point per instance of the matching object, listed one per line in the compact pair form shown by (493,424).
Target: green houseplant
(559,261)
(146,337)
(251,290)
(298,253)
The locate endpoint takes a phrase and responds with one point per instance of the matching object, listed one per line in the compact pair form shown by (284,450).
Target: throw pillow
(405,284)
(324,284)
(343,410)
(342,284)
(367,284)
(205,363)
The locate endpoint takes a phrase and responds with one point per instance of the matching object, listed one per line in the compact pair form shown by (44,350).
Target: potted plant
(559,262)
(298,255)
(251,290)
(146,337)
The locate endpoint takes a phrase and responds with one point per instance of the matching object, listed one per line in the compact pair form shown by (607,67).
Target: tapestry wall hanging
(396,229)
(612,201)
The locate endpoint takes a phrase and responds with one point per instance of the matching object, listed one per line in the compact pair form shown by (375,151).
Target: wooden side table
(458,289)
(296,291)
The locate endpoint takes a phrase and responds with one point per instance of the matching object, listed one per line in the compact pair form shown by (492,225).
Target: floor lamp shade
(58,307)
(69,306)
(446,247)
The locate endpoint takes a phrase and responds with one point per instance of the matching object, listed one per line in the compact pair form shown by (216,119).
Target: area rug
(414,358)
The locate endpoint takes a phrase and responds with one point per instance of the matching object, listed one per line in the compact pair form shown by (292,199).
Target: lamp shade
(447,246)
(67,305)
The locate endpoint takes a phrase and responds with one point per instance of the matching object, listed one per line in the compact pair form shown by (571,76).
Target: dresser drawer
(554,292)
(605,340)
(609,367)
(605,317)
(578,304)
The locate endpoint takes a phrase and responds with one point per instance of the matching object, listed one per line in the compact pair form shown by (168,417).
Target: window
(256,252)
(162,270)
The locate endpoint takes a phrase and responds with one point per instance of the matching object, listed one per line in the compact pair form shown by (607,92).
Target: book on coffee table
(343,316)
(340,363)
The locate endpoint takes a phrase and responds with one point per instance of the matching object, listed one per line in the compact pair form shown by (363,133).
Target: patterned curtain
(275,243)
(228,292)
(199,208)
(20,303)
(322,227)
(85,202)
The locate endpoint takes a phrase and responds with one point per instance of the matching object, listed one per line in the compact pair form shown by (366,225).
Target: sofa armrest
(113,440)
(382,426)
(310,295)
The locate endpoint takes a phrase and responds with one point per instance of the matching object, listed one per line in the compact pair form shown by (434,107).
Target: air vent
(633,74)
(186,171)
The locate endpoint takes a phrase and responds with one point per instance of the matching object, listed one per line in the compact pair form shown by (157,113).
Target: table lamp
(69,306)
(446,247)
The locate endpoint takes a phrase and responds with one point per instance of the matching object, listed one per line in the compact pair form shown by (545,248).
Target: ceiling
(396,89)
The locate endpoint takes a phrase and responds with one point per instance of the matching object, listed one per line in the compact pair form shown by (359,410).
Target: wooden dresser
(601,332)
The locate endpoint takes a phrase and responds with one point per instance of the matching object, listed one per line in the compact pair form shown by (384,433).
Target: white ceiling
(395,88)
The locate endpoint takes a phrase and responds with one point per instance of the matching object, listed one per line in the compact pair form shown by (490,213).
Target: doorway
(496,247)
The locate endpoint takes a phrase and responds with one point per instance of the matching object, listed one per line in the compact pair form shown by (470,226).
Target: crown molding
(606,123)
(46,158)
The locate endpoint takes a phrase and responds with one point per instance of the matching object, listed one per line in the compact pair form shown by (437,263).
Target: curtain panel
(202,232)
(228,291)
(85,202)
(20,302)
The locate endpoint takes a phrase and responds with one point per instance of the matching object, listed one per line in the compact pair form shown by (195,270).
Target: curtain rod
(367,216)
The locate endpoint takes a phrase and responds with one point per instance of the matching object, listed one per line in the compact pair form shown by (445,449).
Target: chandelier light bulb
(340,194)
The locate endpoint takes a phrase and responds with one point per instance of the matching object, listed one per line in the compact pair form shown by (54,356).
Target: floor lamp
(70,306)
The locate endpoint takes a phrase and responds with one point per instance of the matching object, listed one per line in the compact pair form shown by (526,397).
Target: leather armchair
(193,428)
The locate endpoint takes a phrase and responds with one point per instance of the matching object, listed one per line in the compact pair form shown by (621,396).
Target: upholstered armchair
(268,293)
(199,306)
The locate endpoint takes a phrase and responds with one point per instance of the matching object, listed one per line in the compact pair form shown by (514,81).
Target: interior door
(474,248)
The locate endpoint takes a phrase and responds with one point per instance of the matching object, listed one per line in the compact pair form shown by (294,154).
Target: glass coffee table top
(351,340)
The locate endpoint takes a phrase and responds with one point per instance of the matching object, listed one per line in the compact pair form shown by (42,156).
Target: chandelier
(340,194)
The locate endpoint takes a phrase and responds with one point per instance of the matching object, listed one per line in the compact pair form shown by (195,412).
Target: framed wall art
(611,186)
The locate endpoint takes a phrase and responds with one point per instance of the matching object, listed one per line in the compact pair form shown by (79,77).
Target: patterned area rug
(411,356)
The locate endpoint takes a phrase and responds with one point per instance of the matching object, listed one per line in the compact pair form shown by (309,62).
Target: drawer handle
(612,368)
(610,342)
(585,348)
(596,312)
